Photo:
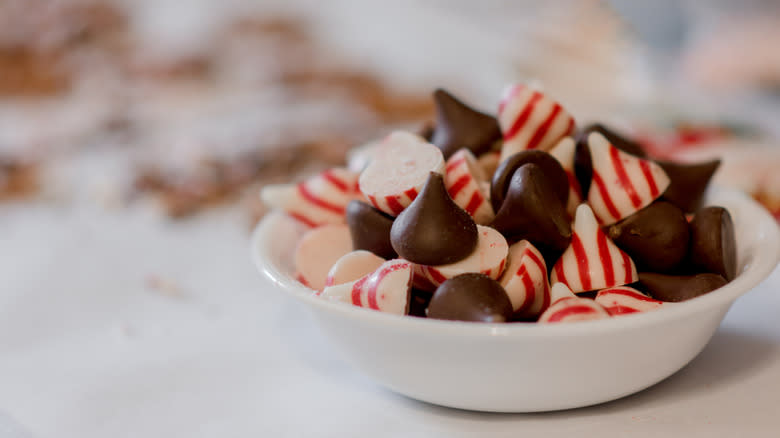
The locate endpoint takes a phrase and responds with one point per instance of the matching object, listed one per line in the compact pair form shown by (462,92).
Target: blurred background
(184,105)
(135,136)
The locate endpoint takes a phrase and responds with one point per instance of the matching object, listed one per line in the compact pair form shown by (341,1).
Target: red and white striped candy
(387,289)
(464,181)
(318,249)
(489,258)
(352,266)
(398,171)
(525,280)
(622,183)
(317,201)
(570,308)
(592,261)
(531,120)
(564,153)
(489,162)
(622,300)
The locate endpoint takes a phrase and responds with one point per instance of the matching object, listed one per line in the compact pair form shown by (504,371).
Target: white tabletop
(123,324)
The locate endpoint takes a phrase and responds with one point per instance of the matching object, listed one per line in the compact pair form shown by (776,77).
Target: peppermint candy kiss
(319,200)
(398,171)
(525,280)
(568,307)
(464,180)
(531,120)
(592,261)
(622,183)
(387,289)
(564,153)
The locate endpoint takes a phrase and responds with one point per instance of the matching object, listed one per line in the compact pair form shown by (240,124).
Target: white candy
(564,153)
(567,307)
(622,300)
(352,266)
(464,180)
(525,280)
(399,170)
(531,120)
(318,250)
(592,261)
(622,183)
(317,201)
(387,289)
(489,258)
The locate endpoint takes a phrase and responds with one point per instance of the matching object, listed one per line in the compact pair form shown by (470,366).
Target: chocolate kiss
(656,237)
(370,229)
(688,182)
(433,230)
(460,126)
(533,211)
(551,169)
(677,288)
(713,246)
(470,297)
(583,166)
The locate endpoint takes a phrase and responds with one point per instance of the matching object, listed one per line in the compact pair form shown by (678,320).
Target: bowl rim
(763,261)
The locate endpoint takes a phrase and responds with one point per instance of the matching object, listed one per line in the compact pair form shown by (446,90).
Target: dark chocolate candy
(656,237)
(418,302)
(713,246)
(370,229)
(433,230)
(550,167)
(688,182)
(675,288)
(583,167)
(470,297)
(460,126)
(533,211)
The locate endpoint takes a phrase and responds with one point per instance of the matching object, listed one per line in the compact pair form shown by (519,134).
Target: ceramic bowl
(525,367)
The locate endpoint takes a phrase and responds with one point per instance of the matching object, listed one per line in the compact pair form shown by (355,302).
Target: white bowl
(526,367)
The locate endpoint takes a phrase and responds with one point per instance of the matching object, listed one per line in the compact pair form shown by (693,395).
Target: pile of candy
(575,224)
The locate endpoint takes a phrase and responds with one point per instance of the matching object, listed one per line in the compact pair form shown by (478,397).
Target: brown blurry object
(26,73)
(17,179)
(214,182)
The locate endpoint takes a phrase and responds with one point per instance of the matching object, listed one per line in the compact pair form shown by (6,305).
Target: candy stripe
(620,310)
(574,184)
(604,194)
(577,309)
(542,130)
(374,202)
(606,257)
(303,219)
(394,205)
(459,184)
(560,275)
(319,202)
(356,288)
(623,178)
(455,163)
(474,203)
(645,166)
(528,283)
(330,177)
(582,261)
(523,117)
(435,275)
(411,194)
(629,277)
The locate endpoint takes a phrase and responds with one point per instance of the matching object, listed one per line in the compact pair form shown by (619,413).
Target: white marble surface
(88,349)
